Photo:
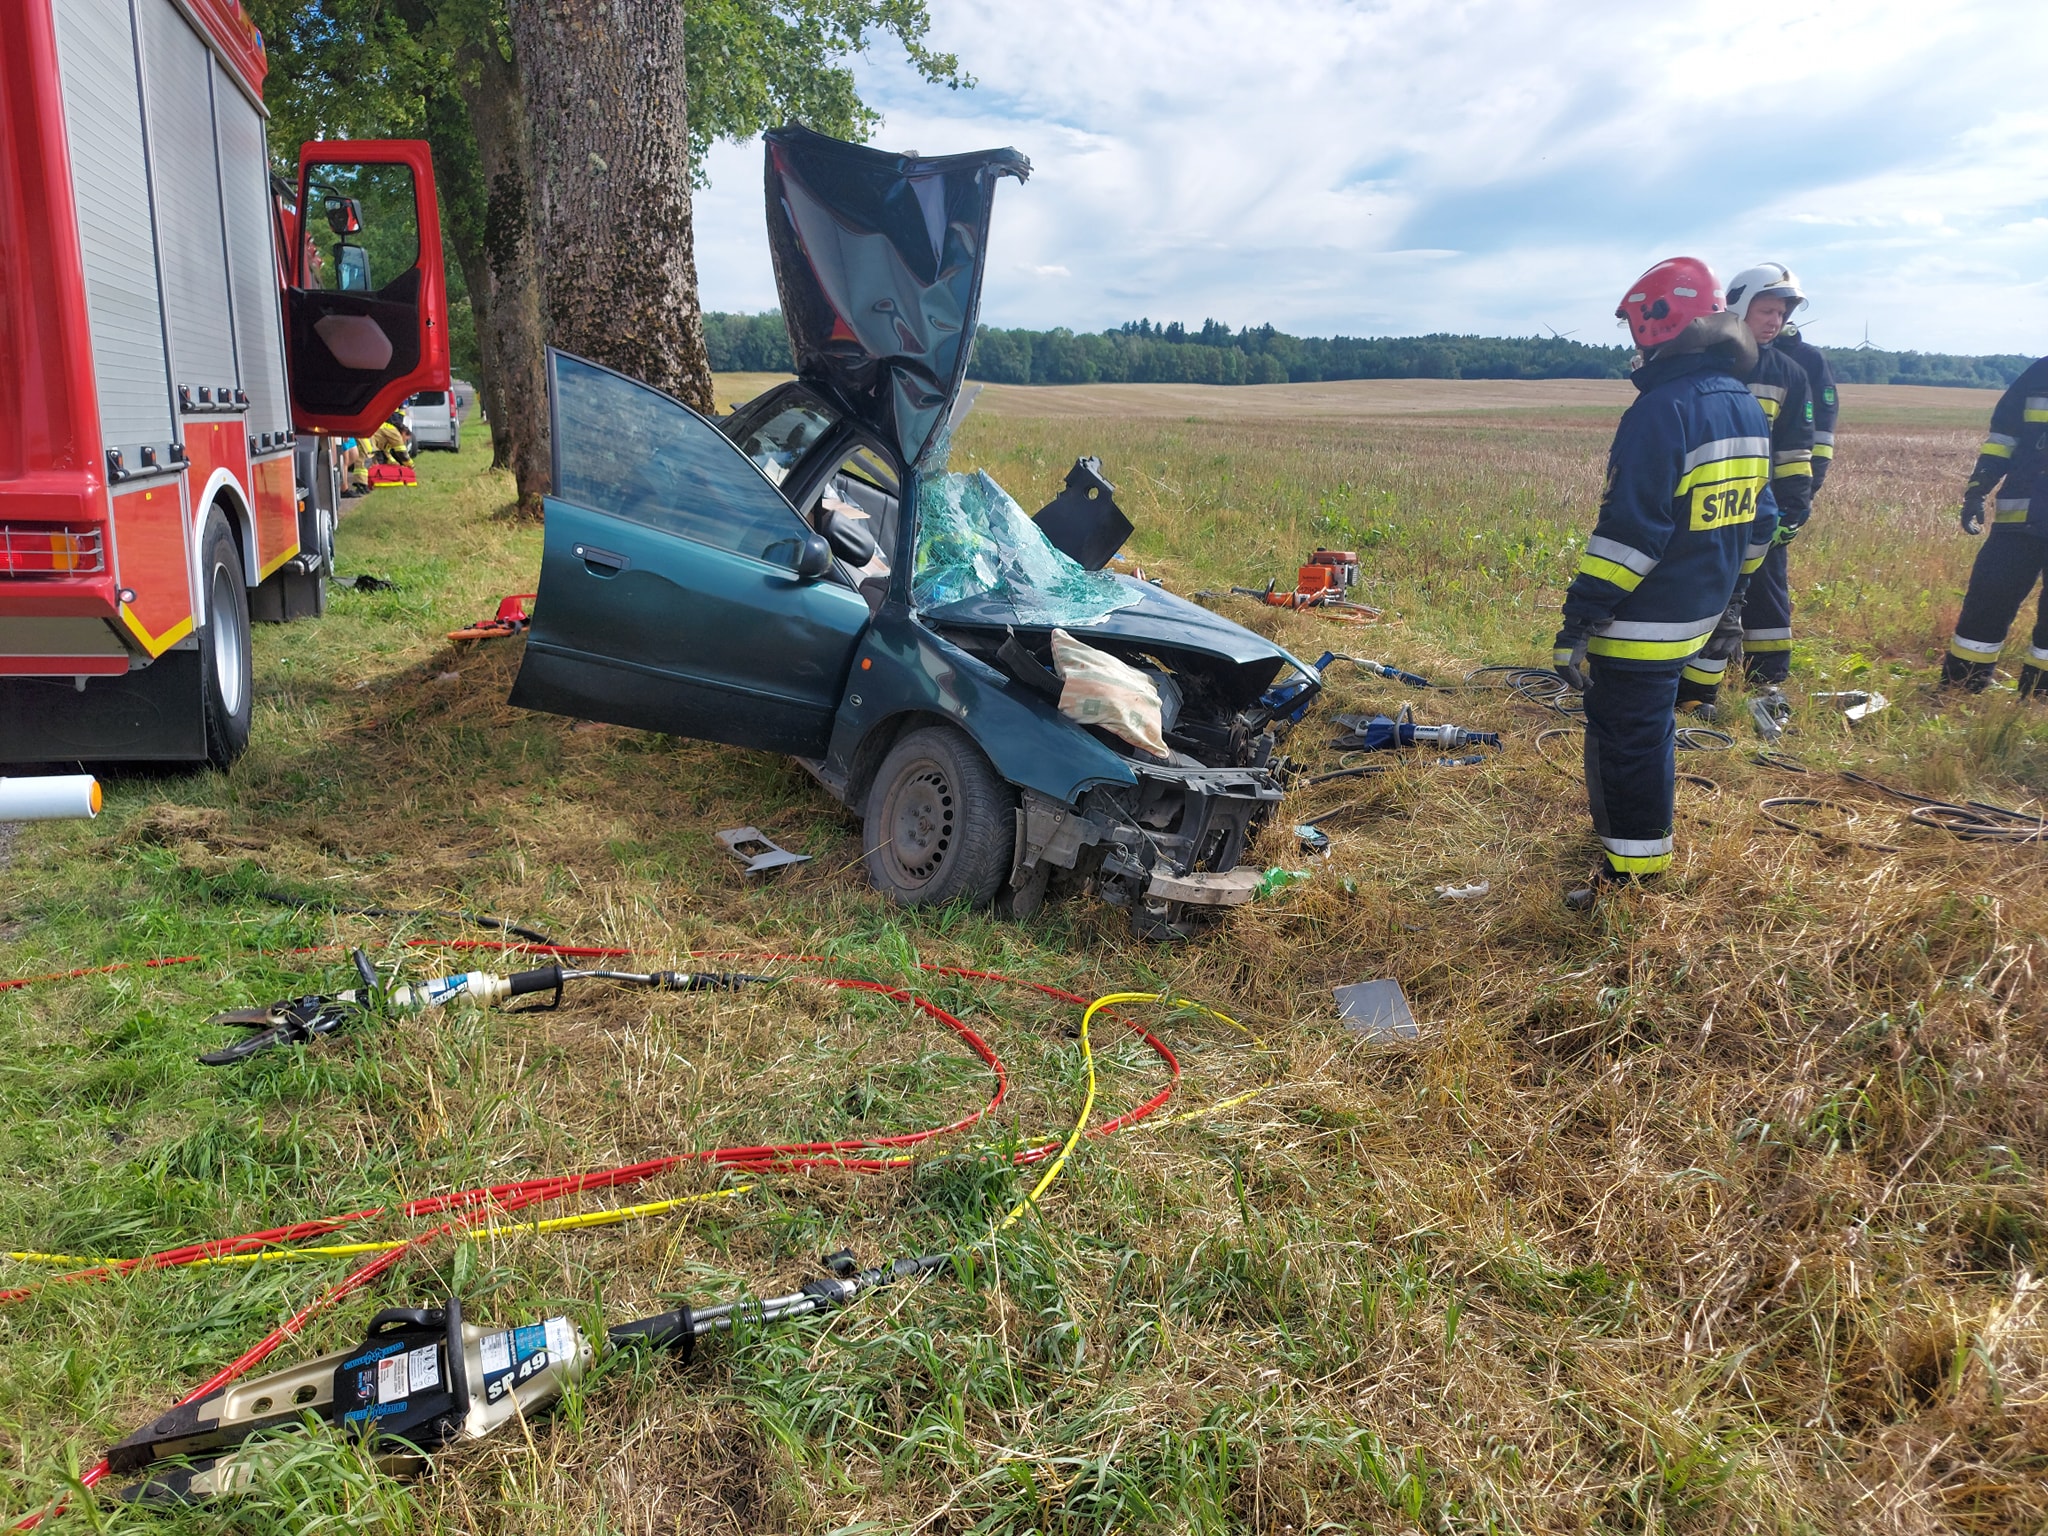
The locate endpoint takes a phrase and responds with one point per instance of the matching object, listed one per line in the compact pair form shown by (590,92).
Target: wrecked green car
(807,577)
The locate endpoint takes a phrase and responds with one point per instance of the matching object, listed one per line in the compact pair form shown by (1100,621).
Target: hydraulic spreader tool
(296,1020)
(425,1378)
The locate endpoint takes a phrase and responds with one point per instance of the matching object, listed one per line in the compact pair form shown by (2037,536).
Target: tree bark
(606,109)
(508,320)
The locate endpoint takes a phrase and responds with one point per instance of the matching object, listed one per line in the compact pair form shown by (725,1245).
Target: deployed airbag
(1097,689)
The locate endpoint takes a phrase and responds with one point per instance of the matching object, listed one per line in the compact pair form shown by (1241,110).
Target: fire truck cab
(185,340)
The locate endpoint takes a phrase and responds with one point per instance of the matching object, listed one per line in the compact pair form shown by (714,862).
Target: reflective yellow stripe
(1725,469)
(1608,570)
(1755,646)
(1750,565)
(1823,450)
(2011,517)
(2036,416)
(1975,650)
(1697,674)
(269,570)
(1646,650)
(1787,471)
(1996,451)
(1625,865)
(156,645)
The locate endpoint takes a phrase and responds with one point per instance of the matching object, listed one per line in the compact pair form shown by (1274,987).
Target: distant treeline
(1143,353)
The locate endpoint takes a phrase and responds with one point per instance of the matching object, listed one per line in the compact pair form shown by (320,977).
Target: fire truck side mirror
(345,215)
(352,269)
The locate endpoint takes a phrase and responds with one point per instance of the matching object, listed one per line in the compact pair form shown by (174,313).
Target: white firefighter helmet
(1766,278)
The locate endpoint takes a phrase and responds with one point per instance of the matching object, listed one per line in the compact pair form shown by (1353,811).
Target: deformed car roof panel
(879,260)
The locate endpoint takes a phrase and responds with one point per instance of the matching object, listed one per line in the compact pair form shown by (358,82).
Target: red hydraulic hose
(484,1203)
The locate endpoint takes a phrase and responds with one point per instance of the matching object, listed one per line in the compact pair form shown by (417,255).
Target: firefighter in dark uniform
(1820,388)
(2014,463)
(1761,297)
(1687,513)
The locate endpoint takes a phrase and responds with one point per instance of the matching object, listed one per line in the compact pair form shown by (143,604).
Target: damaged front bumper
(1167,848)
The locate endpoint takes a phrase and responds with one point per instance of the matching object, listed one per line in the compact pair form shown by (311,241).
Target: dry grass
(1717,1210)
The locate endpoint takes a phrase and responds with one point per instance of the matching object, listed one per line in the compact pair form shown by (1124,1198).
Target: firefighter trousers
(1632,763)
(2007,567)
(1766,636)
(1767,621)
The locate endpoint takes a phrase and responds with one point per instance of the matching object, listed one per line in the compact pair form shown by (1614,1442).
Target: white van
(431,419)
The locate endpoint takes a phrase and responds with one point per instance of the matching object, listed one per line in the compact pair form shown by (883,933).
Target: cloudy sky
(1386,167)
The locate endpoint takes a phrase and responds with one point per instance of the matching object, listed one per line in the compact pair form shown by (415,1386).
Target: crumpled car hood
(1171,626)
(879,260)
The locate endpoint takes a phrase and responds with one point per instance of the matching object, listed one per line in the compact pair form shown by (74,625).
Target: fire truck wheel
(225,666)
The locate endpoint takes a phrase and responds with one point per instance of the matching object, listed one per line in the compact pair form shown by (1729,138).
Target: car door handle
(602,562)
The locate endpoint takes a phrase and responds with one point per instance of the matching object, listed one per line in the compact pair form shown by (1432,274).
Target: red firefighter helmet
(1669,297)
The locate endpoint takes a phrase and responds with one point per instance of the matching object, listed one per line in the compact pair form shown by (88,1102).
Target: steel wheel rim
(921,822)
(225,620)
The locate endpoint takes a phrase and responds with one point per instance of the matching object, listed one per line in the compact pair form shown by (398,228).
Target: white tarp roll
(55,797)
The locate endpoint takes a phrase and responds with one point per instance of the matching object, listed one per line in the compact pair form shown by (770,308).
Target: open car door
(679,590)
(366,303)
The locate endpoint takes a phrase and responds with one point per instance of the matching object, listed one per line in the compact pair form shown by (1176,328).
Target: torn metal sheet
(758,852)
(1377,1010)
(1084,522)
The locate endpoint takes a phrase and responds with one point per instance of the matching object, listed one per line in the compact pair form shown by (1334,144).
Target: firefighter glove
(1787,531)
(1726,639)
(1568,655)
(1972,517)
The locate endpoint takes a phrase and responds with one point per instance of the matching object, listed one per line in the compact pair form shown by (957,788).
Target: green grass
(1714,1211)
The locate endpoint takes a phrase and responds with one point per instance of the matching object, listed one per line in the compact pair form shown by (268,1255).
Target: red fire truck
(184,341)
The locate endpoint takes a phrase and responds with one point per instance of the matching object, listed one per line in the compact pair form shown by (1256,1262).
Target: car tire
(226,668)
(940,824)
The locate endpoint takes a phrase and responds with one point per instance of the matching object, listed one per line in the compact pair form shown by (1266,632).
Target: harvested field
(1714,1210)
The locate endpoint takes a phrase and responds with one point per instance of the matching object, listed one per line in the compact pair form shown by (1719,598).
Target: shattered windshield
(973,540)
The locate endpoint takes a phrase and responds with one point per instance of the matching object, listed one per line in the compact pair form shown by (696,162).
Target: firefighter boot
(1970,676)
(2034,683)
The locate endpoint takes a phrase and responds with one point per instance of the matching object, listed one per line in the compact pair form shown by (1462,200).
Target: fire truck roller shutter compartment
(259,327)
(263,421)
(110,181)
(177,81)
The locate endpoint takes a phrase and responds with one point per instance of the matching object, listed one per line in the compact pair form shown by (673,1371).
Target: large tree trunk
(508,322)
(606,103)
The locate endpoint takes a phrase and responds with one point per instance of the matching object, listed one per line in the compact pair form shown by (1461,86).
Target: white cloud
(1499,165)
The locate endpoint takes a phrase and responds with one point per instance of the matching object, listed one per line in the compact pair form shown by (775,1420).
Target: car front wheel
(939,824)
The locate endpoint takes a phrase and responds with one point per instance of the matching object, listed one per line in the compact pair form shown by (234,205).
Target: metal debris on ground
(1313,839)
(1377,1010)
(758,852)
(1855,704)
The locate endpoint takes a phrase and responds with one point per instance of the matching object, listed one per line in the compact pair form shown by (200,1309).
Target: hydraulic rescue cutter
(423,1379)
(297,1020)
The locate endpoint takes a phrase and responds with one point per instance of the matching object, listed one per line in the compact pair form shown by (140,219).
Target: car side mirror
(851,538)
(813,556)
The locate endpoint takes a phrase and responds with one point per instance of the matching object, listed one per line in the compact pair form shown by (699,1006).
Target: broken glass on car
(973,540)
